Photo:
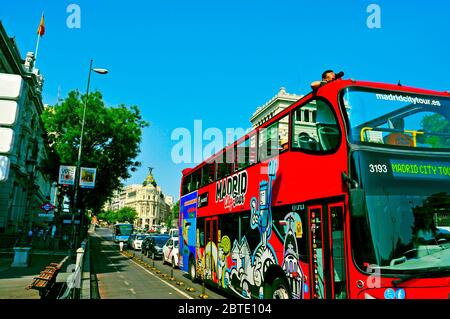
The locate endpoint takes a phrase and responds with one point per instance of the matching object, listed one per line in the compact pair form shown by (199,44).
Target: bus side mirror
(357,202)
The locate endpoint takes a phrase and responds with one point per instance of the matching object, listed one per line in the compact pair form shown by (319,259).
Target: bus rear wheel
(279,289)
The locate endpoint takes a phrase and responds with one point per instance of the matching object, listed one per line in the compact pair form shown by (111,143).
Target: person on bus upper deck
(398,138)
(327,76)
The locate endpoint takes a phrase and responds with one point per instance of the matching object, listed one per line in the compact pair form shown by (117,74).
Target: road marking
(132,291)
(126,282)
(173,287)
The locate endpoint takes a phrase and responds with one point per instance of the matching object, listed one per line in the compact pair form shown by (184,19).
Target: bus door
(211,232)
(327,258)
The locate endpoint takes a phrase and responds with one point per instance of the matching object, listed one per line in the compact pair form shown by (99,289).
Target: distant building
(23,145)
(152,206)
(274,106)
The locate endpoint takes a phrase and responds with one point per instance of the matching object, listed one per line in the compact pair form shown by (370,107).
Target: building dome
(149,180)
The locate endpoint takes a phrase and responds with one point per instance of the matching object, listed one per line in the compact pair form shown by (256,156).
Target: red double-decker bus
(344,194)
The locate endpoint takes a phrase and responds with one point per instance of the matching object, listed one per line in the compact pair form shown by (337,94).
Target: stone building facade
(23,145)
(152,206)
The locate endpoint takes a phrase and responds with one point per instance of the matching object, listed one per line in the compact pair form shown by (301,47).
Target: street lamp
(77,172)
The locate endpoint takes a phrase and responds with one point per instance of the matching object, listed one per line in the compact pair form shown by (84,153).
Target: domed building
(152,206)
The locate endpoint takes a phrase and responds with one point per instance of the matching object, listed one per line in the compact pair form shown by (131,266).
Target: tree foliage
(122,215)
(173,214)
(436,123)
(111,140)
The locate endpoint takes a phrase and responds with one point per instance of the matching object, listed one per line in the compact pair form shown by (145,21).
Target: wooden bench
(46,279)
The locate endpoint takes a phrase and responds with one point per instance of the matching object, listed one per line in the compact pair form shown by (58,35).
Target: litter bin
(21,257)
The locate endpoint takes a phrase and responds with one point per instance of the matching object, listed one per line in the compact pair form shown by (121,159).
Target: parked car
(136,242)
(154,246)
(170,252)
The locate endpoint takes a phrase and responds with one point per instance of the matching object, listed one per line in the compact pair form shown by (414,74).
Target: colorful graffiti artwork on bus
(248,273)
(223,253)
(291,264)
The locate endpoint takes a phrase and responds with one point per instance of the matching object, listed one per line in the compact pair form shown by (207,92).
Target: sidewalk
(14,280)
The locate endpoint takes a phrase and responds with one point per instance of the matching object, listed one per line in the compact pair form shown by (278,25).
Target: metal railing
(74,280)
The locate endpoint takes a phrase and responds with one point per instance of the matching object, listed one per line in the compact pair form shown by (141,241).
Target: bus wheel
(279,289)
(192,271)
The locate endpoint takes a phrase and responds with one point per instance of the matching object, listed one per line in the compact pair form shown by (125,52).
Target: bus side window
(273,139)
(243,154)
(208,172)
(304,134)
(315,127)
(327,127)
(195,181)
(186,183)
(225,165)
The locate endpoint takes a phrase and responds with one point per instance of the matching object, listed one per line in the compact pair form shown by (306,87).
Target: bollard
(203,295)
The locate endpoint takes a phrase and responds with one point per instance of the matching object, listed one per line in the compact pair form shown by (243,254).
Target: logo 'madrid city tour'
(232,189)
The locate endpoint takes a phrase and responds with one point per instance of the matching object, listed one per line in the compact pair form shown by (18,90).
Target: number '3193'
(377,168)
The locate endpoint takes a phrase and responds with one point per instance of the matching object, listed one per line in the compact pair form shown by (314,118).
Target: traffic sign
(48,207)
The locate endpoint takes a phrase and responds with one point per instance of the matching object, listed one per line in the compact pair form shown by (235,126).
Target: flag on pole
(41,28)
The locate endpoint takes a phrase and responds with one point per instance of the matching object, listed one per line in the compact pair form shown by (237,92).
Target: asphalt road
(119,276)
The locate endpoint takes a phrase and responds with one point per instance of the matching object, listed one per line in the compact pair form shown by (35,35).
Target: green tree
(436,123)
(111,140)
(127,214)
(173,214)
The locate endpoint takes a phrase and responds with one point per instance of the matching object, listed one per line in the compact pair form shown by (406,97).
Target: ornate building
(274,106)
(152,206)
(23,146)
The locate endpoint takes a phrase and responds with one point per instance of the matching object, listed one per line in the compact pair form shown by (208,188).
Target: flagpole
(37,48)
(38,39)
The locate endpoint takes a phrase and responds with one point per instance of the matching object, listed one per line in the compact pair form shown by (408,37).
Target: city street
(119,277)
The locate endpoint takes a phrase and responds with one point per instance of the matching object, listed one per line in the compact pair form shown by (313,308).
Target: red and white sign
(47,207)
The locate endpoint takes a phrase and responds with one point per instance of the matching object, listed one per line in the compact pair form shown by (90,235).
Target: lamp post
(77,171)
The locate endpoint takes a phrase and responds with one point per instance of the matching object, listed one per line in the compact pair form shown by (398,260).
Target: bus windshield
(397,119)
(405,224)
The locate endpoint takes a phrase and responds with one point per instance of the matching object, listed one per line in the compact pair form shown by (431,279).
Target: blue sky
(217,61)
